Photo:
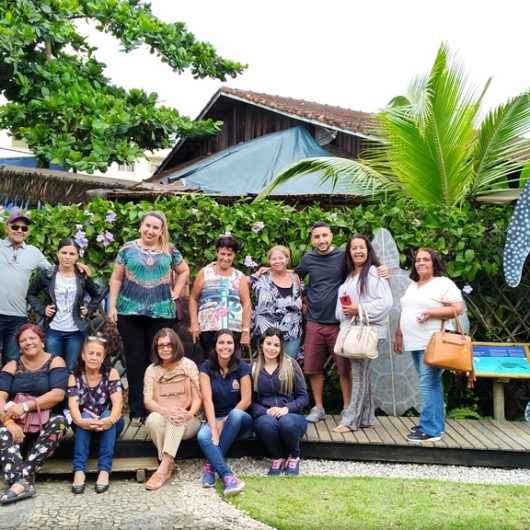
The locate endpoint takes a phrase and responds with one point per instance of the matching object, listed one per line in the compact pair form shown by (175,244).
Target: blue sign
(501,360)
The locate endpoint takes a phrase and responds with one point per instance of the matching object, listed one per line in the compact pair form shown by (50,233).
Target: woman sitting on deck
(172,395)
(95,400)
(280,394)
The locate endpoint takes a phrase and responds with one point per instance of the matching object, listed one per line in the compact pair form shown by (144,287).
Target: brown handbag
(173,391)
(452,351)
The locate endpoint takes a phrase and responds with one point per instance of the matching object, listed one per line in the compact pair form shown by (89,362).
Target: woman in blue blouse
(226,390)
(280,394)
(95,401)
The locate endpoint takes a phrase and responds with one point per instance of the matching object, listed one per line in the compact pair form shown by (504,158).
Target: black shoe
(102,488)
(78,488)
(418,437)
(10,496)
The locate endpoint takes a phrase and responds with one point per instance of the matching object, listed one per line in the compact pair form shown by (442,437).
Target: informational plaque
(501,360)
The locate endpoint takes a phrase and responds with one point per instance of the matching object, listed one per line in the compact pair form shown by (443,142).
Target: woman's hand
(195,333)
(88,424)
(15,411)
(398,341)
(104,424)
(179,416)
(245,338)
(424,316)
(84,311)
(49,310)
(113,314)
(16,432)
(350,310)
(282,411)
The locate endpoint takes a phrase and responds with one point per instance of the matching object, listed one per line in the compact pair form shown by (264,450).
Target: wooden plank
(312,433)
(372,435)
(389,428)
(486,440)
(514,443)
(60,467)
(360,436)
(491,434)
(400,428)
(460,441)
(330,424)
(323,432)
(348,436)
(458,428)
(385,438)
(514,431)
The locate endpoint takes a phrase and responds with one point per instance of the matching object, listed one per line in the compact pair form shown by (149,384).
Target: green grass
(377,503)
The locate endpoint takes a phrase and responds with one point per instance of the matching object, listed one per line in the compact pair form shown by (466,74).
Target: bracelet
(8,422)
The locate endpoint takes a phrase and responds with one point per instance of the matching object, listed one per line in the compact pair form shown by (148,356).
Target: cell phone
(345,299)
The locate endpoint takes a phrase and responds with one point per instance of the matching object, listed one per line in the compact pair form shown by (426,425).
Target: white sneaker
(316,414)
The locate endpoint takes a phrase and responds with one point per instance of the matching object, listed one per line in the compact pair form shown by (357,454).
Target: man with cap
(17,263)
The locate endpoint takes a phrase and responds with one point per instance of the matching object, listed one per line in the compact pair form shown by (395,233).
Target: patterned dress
(220,302)
(95,400)
(146,287)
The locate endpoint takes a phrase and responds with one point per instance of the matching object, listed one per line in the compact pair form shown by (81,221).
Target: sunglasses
(21,228)
(95,338)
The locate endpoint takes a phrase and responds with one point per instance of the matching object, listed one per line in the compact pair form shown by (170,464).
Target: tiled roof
(337,117)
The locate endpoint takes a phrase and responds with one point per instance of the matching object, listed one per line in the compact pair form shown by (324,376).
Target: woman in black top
(36,382)
(60,297)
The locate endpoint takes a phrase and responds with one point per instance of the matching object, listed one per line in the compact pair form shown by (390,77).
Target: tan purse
(173,391)
(358,340)
(452,351)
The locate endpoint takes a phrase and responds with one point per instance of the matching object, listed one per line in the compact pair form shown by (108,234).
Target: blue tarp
(24,161)
(248,167)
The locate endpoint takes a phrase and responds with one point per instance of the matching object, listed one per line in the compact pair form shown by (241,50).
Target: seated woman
(30,391)
(95,400)
(226,392)
(64,290)
(172,395)
(280,394)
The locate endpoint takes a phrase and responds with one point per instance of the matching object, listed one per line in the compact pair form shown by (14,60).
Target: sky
(352,54)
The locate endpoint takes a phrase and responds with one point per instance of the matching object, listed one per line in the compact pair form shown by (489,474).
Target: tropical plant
(430,146)
(60,101)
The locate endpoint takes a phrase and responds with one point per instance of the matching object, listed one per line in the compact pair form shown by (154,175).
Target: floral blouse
(275,308)
(94,399)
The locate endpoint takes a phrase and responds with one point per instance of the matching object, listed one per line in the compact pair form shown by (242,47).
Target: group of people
(276,310)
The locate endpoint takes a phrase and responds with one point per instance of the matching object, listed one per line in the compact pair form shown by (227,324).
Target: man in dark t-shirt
(325,266)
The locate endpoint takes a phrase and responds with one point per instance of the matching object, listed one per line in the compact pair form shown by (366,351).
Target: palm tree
(430,145)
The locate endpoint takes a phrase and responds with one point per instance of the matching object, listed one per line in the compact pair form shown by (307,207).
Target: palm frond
(501,146)
(358,177)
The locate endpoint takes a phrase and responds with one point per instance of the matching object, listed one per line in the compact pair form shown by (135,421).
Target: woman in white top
(365,290)
(429,299)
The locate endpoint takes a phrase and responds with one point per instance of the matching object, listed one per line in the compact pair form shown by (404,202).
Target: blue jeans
(238,424)
(65,344)
(292,348)
(107,441)
(432,413)
(8,344)
(281,436)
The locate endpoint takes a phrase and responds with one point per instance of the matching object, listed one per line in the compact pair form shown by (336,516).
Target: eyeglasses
(164,345)
(95,338)
(21,228)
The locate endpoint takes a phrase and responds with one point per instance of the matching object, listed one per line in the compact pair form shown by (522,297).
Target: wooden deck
(489,443)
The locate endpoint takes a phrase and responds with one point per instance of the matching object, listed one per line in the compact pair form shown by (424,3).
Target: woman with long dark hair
(59,296)
(226,390)
(95,401)
(363,293)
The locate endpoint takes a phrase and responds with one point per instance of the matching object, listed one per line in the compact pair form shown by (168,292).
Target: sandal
(157,480)
(10,496)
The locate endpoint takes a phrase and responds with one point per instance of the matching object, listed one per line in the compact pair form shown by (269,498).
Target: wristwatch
(25,406)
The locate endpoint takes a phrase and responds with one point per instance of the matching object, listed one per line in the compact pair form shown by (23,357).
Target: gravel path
(185,504)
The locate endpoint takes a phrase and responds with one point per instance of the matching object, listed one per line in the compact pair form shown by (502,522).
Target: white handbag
(358,340)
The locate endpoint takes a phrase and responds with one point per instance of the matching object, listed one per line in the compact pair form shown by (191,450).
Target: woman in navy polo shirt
(280,394)
(226,392)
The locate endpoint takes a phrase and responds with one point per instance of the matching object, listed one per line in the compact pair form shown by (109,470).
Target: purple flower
(249,262)
(467,289)
(258,226)
(81,239)
(105,239)
(110,217)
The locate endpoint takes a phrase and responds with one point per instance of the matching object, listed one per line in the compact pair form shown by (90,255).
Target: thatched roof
(35,185)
